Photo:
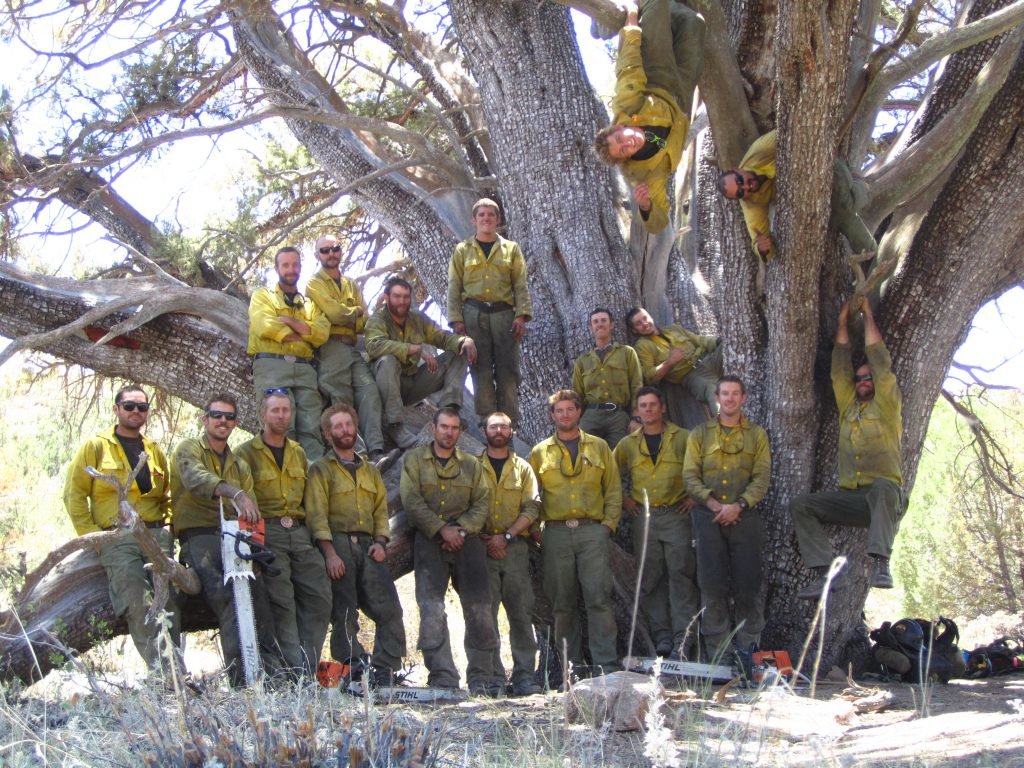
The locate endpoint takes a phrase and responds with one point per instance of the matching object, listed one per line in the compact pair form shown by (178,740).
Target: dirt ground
(965,723)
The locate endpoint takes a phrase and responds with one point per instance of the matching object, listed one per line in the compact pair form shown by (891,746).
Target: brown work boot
(813,590)
(880,576)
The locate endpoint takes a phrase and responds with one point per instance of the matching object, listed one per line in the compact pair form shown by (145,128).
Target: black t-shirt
(486,247)
(655,137)
(498,465)
(653,445)
(132,450)
(278,451)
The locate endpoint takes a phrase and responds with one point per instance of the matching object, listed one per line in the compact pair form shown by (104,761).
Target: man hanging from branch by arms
(870,491)
(657,69)
(753,184)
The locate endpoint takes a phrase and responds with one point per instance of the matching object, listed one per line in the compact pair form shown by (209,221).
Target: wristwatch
(743,504)
(508,536)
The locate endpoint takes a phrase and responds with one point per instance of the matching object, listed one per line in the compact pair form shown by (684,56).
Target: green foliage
(8,218)
(961,547)
(168,76)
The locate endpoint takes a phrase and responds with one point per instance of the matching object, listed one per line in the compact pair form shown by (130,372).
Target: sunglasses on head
(276,391)
(131,405)
(228,415)
(330,249)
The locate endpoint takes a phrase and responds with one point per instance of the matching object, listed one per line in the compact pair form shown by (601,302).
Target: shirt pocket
(158,476)
(111,464)
(592,465)
(512,481)
(611,374)
(863,425)
(341,493)
(265,477)
(549,470)
(366,484)
(871,423)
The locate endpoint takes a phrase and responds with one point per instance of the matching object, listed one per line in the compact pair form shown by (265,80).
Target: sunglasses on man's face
(131,406)
(330,249)
(863,377)
(741,187)
(228,415)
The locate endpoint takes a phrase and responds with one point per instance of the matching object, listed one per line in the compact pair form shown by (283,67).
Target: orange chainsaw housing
(777,659)
(330,673)
(258,529)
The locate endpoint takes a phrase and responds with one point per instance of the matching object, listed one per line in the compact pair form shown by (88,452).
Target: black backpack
(923,650)
(999,658)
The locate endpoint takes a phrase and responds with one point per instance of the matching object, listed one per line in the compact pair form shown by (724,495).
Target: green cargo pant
(300,381)
(367,586)
(729,565)
(576,560)
(700,384)
(201,552)
(495,373)
(673,48)
(610,426)
(511,587)
(131,591)
(397,390)
(879,507)
(847,199)
(300,595)
(467,571)
(345,377)
(669,596)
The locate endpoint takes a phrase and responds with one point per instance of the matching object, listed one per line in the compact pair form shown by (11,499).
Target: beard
(343,443)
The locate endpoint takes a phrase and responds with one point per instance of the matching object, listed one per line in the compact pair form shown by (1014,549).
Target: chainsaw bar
(410,694)
(718,673)
(238,572)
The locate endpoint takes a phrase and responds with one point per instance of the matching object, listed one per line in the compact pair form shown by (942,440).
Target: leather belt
(574,523)
(356,536)
(286,358)
(489,307)
(344,338)
(605,407)
(286,521)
